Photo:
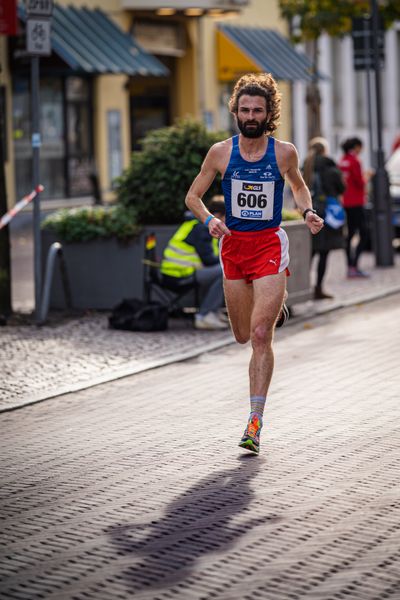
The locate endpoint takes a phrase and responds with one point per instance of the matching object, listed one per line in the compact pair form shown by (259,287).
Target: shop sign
(8,17)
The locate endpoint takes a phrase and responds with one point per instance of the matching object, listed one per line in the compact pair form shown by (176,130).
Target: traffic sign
(38,40)
(39,8)
(363,55)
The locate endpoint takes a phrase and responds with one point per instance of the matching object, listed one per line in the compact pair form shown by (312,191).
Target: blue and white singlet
(253,191)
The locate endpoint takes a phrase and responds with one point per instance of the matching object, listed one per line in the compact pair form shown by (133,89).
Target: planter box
(103,272)
(298,284)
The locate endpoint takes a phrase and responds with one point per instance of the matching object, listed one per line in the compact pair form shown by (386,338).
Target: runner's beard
(252,132)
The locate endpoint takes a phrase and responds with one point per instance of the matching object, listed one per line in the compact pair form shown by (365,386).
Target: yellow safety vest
(181,259)
(215,245)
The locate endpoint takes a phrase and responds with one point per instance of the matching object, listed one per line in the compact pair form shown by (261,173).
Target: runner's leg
(269,292)
(239,302)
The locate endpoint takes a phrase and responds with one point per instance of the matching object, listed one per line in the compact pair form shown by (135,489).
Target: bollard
(54,251)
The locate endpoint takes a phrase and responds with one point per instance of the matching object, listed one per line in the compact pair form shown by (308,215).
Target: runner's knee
(261,335)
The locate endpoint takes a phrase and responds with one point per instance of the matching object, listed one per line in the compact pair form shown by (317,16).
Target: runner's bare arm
(211,166)
(288,162)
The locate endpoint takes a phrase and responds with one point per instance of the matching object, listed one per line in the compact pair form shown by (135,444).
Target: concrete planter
(103,272)
(298,284)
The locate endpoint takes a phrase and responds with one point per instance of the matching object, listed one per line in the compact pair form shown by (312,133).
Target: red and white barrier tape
(5,219)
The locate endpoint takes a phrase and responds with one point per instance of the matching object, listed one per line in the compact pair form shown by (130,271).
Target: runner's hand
(217,228)
(314,222)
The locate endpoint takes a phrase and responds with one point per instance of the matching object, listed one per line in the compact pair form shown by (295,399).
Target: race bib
(253,199)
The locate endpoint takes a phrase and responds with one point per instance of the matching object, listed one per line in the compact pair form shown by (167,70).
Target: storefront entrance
(147,113)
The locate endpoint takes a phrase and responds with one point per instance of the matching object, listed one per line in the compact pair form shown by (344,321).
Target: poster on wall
(114,145)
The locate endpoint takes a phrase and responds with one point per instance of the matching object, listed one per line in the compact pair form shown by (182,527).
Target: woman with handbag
(325,182)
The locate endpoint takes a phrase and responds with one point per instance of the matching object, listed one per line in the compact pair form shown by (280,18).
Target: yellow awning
(232,61)
(256,50)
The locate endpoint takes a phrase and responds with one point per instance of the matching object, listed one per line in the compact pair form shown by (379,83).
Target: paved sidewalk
(137,489)
(41,363)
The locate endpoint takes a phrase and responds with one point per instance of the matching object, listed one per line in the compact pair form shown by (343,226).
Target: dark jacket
(201,240)
(327,181)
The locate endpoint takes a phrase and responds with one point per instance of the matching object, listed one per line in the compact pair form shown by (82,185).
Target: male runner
(254,249)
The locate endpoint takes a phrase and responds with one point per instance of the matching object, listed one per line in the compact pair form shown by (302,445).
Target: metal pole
(36,180)
(380,181)
(366,26)
(5,254)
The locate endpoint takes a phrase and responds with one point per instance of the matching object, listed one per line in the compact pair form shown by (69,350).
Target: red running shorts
(250,255)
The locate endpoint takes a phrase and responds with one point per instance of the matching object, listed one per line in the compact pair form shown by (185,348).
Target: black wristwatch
(307,211)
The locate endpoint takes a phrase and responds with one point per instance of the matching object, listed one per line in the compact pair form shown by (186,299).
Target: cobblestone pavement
(137,489)
(41,363)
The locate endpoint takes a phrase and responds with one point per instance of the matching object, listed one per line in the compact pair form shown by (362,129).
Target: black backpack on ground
(133,314)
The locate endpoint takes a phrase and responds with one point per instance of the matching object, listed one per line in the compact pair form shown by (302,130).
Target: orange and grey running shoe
(251,437)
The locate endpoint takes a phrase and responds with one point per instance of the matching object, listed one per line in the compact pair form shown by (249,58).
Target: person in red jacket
(353,201)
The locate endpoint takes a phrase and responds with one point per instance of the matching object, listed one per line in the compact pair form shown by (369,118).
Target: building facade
(120,68)
(348,97)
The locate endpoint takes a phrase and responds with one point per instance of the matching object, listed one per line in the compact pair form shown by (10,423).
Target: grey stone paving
(41,363)
(137,489)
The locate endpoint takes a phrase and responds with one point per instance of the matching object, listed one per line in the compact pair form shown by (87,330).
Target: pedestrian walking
(354,199)
(254,249)
(325,181)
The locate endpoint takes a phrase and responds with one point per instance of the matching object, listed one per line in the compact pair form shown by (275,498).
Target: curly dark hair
(259,84)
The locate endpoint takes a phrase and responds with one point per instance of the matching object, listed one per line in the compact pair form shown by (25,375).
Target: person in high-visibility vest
(192,251)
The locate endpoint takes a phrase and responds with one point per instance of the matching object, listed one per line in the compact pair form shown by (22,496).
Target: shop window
(79,136)
(147,113)
(52,151)
(66,134)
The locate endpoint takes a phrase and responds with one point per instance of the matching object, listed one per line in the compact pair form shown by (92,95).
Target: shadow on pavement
(164,552)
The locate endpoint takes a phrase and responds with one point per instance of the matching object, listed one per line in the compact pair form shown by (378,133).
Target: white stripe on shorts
(283,238)
(221,241)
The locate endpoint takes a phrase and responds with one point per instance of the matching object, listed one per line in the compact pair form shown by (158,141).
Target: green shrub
(159,176)
(90,223)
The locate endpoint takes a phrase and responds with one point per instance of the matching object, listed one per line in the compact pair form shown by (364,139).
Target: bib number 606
(252,200)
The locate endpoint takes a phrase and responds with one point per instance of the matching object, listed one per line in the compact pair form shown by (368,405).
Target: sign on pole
(38,27)
(39,8)
(38,37)
(38,43)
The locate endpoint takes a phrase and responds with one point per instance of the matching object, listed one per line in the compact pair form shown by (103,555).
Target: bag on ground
(133,314)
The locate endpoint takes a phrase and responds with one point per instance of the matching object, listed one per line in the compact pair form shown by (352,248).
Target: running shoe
(210,321)
(283,316)
(354,273)
(251,437)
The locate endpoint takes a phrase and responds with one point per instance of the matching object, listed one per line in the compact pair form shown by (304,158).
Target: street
(136,488)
